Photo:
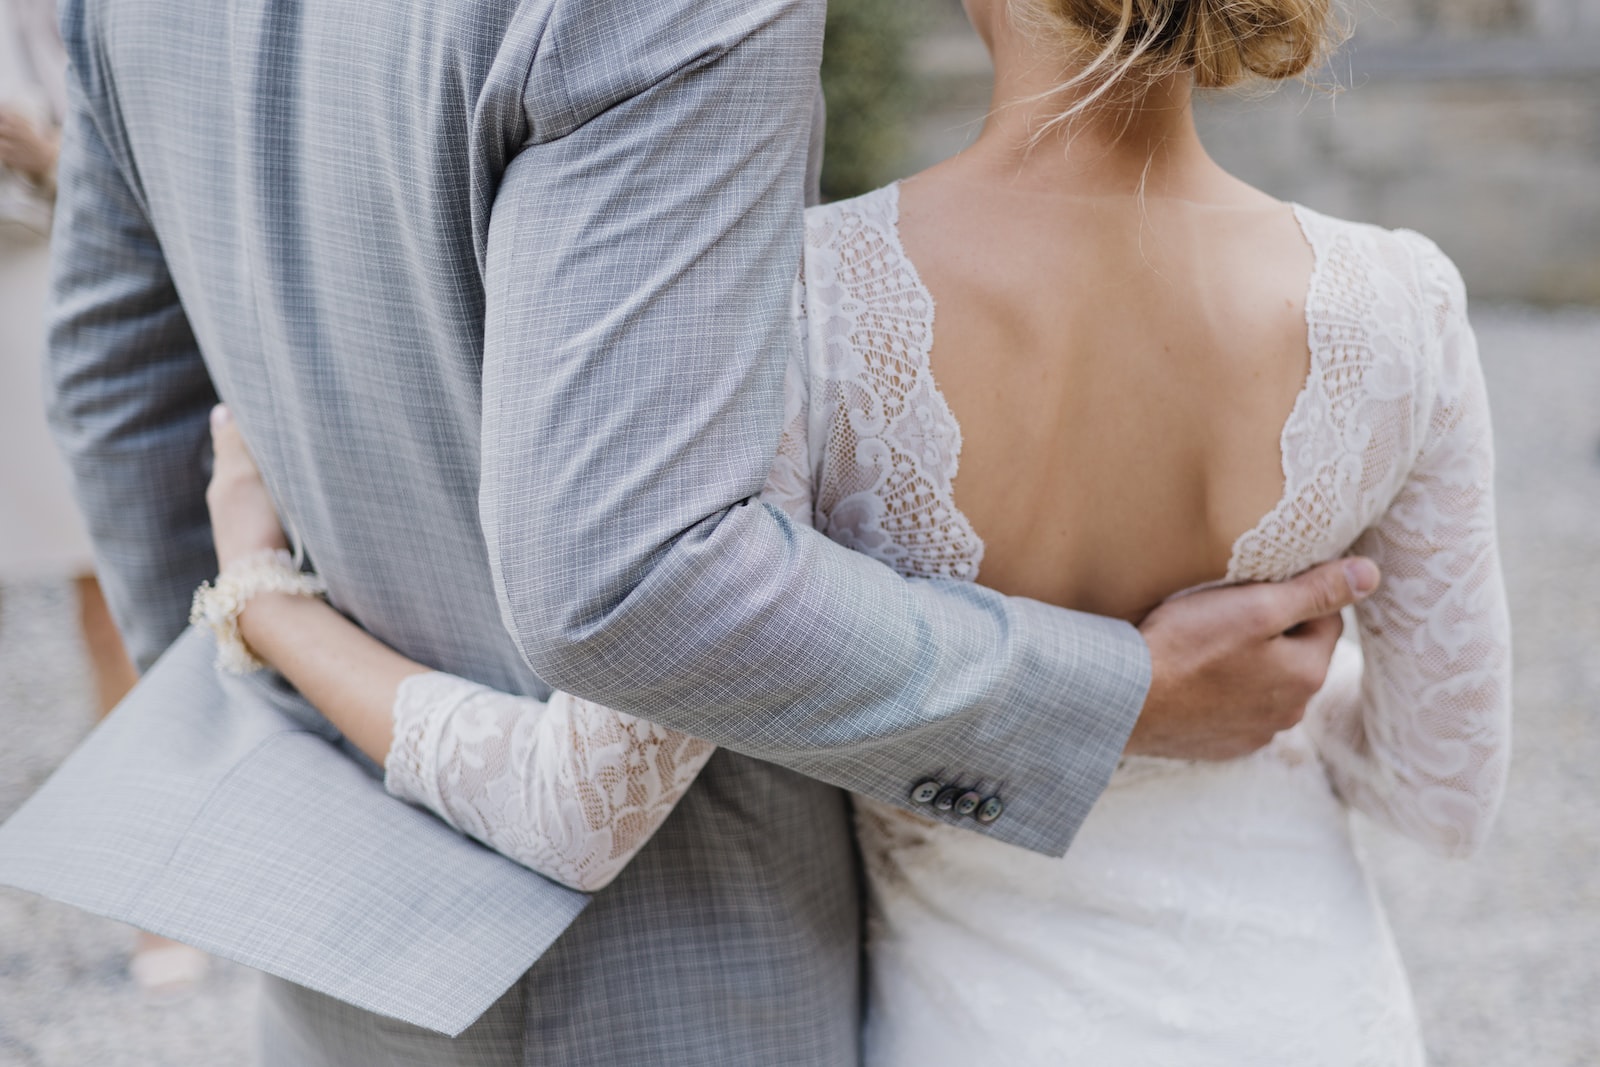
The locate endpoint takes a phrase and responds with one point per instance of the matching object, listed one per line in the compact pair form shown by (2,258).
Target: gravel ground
(1503,949)
(65,996)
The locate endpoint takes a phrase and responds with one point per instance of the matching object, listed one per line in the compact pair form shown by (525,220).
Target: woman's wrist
(347,674)
(219,605)
(264,618)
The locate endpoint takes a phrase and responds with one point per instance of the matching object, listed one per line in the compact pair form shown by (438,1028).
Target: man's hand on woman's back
(1232,667)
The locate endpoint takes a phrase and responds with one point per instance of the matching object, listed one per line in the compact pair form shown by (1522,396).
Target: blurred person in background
(41,531)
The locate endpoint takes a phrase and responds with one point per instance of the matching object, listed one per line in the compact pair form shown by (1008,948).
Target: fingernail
(220,415)
(1362,574)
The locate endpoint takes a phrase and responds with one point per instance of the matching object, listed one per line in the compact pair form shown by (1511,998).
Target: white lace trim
(1345,444)
(885,445)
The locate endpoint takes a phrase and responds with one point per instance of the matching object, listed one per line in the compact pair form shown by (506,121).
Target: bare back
(1139,354)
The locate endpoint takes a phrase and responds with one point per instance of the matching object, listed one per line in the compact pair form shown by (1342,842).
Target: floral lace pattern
(565,787)
(1346,442)
(1422,743)
(1389,455)
(884,443)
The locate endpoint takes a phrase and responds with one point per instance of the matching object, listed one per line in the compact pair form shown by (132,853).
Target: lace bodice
(1386,452)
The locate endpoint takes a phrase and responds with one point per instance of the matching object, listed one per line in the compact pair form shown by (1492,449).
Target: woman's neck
(1114,146)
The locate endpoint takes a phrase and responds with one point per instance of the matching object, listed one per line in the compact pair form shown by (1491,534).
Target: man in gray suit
(498,292)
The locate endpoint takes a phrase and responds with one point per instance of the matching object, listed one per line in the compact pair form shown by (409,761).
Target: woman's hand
(26,149)
(243,519)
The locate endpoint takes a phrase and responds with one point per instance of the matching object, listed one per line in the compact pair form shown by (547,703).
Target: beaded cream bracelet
(217,604)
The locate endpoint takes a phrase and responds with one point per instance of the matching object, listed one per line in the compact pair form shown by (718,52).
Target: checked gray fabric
(498,293)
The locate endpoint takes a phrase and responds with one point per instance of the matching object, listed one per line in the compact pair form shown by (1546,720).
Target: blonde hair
(1123,47)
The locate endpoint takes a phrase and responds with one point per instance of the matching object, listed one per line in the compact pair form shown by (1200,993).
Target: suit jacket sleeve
(641,254)
(128,393)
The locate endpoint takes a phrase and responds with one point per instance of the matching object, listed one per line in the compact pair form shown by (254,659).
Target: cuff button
(989,810)
(968,802)
(924,792)
(946,798)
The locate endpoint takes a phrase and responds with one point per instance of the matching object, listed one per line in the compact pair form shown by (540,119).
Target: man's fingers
(1324,590)
(1311,648)
(1324,629)
(1308,649)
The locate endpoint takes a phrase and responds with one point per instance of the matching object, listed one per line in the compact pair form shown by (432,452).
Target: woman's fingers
(233,462)
(243,518)
(233,457)
(224,431)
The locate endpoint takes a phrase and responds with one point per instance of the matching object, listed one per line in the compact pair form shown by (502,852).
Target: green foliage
(870,89)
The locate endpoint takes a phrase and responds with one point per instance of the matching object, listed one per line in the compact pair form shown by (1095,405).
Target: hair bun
(1226,41)
(1222,42)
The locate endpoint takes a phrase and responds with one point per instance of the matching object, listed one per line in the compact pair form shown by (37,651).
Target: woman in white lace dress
(1154,378)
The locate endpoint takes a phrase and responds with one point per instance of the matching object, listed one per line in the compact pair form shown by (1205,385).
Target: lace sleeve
(1422,741)
(567,788)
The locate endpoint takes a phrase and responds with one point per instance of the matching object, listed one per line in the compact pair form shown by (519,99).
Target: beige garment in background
(41,532)
(33,62)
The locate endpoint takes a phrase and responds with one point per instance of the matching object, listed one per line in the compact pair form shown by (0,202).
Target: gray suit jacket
(498,292)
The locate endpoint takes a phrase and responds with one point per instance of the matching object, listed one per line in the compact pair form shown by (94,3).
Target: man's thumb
(1330,587)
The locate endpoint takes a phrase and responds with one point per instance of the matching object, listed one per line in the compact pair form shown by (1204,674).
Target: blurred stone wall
(1474,121)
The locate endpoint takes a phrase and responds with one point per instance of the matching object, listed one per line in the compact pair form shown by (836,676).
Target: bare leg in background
(160,966)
